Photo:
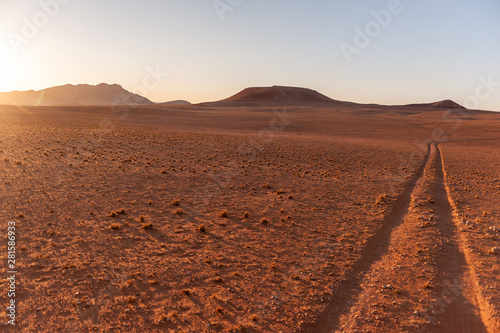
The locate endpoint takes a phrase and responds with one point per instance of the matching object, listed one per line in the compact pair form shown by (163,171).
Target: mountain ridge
(80,95)
(114,94)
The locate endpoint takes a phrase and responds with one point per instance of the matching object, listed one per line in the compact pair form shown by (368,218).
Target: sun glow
(8,68)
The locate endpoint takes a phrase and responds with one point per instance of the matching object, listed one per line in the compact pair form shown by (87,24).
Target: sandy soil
(204,219)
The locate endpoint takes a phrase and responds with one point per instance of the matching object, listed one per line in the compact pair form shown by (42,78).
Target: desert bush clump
(495,250)
(381,198)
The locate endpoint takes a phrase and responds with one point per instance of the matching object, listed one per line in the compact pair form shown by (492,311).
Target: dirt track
(439,295)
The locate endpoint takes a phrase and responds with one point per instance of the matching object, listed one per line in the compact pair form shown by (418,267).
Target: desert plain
(290,217)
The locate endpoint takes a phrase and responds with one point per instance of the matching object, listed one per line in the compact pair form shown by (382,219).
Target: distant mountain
(114,94)
(177,102)
(81,94)
(446,104)
(276,95)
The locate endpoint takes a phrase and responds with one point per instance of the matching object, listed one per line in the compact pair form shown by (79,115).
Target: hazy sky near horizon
(387,52)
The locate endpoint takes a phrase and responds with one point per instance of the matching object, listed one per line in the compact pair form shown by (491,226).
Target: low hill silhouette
(81,94)
(445,104)
(276,95)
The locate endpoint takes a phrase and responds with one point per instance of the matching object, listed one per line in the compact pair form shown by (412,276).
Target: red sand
(354,223)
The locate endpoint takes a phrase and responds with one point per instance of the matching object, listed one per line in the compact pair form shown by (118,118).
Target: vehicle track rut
(434,279)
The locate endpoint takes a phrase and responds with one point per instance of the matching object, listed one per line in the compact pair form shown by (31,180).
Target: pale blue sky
(430,50)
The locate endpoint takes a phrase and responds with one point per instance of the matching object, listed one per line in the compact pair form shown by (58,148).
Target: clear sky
(423,51)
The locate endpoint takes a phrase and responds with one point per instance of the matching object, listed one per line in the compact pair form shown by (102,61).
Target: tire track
(460,313)
(465,257)
(435,279)
(347,291)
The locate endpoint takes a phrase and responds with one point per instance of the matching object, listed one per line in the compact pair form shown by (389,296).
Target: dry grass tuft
(147,226)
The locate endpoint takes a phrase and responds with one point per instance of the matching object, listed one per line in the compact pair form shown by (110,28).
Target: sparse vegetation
(262,267)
